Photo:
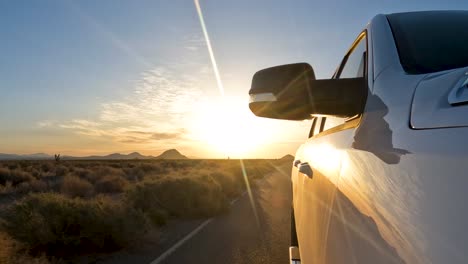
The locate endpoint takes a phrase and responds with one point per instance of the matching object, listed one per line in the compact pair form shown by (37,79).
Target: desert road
(233,238)
(237,237)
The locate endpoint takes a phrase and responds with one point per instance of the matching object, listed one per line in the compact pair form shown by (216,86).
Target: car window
(354,66)
(355,61)
(445,32)
(317,126)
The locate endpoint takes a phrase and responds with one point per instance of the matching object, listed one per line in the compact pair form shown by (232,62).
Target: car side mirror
(291,92)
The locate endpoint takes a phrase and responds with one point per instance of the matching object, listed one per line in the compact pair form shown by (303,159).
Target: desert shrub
(12,253)
(81,172)
(230,185)
(183,197)
(13,166)
(47,166)
(99,172)
(157,216)
(111,184)
(134,173)
(61,170)
(152,168)
(32,186)
(7,248)
(36,173)
(61,226)
(263,168)
(7,188)
(15,176)
(73,186)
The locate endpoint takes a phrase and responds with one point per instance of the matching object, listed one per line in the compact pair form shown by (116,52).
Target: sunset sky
(97,77)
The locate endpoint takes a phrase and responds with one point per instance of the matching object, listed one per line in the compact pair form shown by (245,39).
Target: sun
(227,125)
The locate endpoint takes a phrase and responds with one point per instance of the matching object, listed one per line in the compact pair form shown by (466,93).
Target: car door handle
(306,169)
(296,163)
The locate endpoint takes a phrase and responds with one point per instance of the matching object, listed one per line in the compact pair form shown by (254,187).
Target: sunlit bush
(183,197)
(111,184)
(15,176)
(32,186)
(230,184)
(63,226)
(73,186)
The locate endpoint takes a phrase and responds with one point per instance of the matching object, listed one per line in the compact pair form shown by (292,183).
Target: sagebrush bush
(47,166)
(134,174)
(61,170)
(99,172)
(111,184)
(62,226)
(182,197)
(12,253)
(15,176)
(32,186)
(73,186)
(81,172)
(230,184)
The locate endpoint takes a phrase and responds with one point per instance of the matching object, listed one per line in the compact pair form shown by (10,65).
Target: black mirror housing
(291,92)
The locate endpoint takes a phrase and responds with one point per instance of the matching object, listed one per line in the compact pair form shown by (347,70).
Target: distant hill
(287,157)
(35,156)
(113,156)
(171,154)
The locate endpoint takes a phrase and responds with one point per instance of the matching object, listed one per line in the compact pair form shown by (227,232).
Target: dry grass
(76,207)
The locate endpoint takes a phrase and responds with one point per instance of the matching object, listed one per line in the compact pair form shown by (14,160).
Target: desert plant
(111,184)
(32,186)
(73,186)
(15,176)
(61,226)
(101,171)
(61,170)
(230,185)
(57,158)
(182,197)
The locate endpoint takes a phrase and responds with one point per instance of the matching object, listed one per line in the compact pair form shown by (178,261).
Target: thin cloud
(46,123)
(156,110)
(191,48)
(163,136)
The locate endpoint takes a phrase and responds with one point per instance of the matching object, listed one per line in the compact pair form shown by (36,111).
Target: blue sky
(85,77)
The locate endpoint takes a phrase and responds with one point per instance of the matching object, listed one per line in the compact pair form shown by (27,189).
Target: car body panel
(383,192)
(431,107)
(313,197)
(383,47)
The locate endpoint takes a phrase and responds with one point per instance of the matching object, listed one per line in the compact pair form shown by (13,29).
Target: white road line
(180,242)
(237,199)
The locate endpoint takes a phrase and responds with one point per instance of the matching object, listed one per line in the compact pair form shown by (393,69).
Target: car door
(352,234)
(314,195)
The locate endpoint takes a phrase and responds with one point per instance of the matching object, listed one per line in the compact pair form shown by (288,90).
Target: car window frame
(350,50)
(354,120)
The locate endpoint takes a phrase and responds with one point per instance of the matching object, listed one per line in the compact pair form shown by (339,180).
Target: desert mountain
(35,156)
(171,154)
(287,157)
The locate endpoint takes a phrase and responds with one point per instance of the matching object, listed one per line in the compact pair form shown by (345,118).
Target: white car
(383,176)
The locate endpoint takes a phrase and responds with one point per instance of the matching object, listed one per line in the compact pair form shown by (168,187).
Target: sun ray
(249,192)
(210,49)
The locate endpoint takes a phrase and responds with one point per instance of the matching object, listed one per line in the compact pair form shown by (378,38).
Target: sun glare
(226,125)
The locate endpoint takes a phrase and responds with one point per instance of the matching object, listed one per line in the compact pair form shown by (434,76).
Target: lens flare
(249,192)
(210,49)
